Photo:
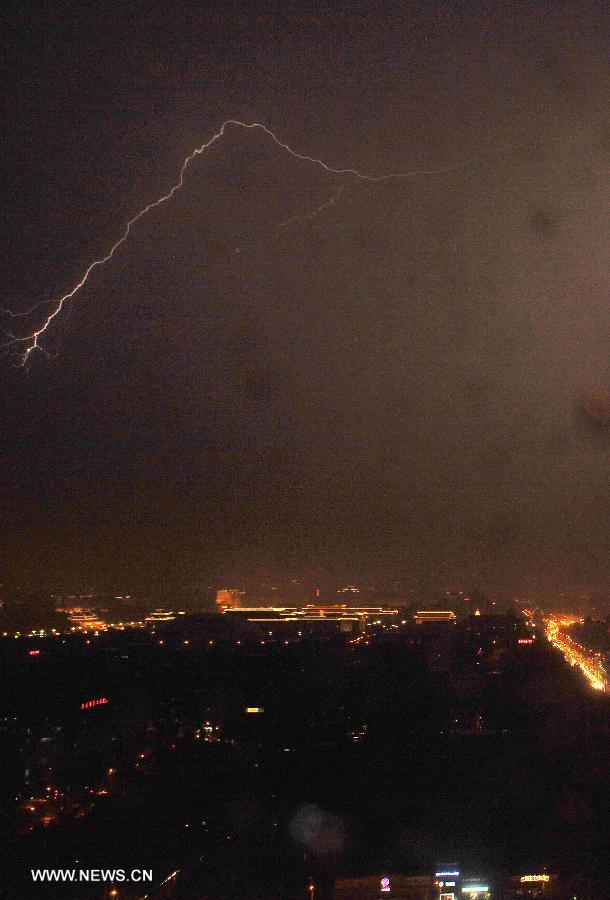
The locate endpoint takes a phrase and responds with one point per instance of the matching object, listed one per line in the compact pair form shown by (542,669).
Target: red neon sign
(33,652)
(100,701)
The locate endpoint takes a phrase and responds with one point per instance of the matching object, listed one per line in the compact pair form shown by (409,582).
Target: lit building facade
(436,616)
(446,884)
(230,598)
(314,618)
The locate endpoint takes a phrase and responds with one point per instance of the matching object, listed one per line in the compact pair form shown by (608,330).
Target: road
(590,662)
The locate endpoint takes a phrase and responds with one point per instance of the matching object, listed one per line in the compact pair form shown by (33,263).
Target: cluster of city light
(92,628)
(97,625)
(33,632)
(589,662)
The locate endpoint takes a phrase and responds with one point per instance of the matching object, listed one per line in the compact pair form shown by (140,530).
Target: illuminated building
(446,884)
(533,885)
(475,890)
(314,618)
(437,616)
(230,598)
(160,615)
(84,618)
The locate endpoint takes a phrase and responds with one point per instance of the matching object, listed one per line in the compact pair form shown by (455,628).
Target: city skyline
(304,450)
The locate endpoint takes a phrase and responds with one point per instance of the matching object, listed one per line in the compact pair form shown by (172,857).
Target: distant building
(230,598)
(533,885)
(160,615)
(445,885)
(285,621)
(442,616)
(84,618)
(378,887)
(349,592)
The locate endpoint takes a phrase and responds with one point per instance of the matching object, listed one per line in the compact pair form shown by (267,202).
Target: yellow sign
(535,878)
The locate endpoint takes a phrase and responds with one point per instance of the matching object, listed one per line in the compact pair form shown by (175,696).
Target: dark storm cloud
(411,383)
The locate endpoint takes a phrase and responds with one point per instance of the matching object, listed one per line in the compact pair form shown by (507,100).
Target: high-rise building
(230,598)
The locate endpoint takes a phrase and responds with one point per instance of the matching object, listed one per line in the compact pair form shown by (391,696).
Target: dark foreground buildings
(236,763)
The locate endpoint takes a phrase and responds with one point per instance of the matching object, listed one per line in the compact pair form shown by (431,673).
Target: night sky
(412,385)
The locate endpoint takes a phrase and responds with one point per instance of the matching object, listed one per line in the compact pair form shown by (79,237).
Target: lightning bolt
(31,341)
(297,217)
